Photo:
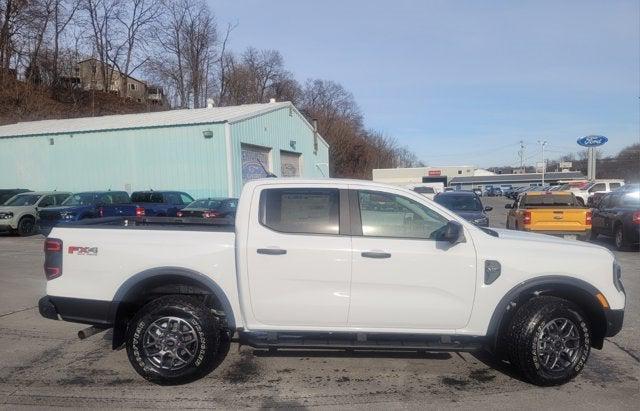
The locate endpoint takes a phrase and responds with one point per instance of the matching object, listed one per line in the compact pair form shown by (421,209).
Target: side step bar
(361,341)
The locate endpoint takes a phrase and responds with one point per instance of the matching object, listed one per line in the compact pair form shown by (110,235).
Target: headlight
(481,221)
(617,276)
(6,216)
(67,216)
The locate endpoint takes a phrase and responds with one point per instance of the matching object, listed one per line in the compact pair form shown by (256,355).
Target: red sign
(434,172)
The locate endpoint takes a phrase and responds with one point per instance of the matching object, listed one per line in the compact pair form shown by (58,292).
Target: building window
(139,100)
(132,86)
(459,171)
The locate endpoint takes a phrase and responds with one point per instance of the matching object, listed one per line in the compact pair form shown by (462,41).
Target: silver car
(19,213)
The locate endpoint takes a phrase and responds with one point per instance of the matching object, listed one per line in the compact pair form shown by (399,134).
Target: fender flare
(539,284)
(120,298)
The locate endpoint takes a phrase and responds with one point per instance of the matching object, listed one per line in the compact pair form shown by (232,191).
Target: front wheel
(26,226)
(620,241)
(174,340)
(549,341)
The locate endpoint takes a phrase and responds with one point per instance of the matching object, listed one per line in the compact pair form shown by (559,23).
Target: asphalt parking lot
(43,363)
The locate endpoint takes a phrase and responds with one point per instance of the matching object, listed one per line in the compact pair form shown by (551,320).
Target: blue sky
(461,82)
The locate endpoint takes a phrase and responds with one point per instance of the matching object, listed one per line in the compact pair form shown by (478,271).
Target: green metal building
(205,152)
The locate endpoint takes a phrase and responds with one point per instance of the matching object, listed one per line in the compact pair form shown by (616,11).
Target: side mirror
(508,206)
(452,233)
(488,208)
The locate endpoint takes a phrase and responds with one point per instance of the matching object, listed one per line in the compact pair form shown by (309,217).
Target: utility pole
(521,154)
(543,143)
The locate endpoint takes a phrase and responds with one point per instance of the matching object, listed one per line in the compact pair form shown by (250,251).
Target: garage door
(254,161)
(289,164)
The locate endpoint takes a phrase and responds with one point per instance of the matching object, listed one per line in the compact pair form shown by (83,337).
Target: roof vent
(272,100)
(209,103)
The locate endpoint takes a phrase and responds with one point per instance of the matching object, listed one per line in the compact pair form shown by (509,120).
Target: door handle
(375,254)
(271,251)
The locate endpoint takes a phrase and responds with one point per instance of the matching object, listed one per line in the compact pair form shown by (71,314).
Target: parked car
(583,193)
(20,212)
(6,194)
(79,206)
(556,213)
(159,203)
(466,204)
(617,215)
(478,191)
(315,265)
(493,192)
(218,208)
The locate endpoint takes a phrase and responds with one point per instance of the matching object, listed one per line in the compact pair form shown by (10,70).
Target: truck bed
(153,223)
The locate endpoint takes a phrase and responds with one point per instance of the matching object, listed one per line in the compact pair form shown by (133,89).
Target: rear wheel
(26,226)
(620,241)
(174,340)
(549,341)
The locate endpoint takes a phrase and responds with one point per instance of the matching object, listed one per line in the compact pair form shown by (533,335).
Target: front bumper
(5,227)
(78,310)
(614,318)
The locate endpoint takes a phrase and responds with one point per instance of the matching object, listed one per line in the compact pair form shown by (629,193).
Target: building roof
(517,178)
(229,114)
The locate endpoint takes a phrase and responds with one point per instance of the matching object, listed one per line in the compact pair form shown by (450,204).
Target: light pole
(543,143)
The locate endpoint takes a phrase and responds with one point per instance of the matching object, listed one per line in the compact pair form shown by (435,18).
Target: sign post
(591,142)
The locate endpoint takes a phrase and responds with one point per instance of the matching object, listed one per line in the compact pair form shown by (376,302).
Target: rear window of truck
(308,210)
(146,197)
(550,201)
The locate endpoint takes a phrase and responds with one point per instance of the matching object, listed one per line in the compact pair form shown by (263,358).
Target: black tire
(619,239)
(26,226)
(191,346)
(532,344)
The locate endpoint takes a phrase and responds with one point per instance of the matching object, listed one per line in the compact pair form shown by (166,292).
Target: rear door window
(146,197)
(186,198)
(304,210)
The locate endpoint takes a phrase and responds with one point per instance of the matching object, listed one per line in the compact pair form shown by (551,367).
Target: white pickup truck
(332,264)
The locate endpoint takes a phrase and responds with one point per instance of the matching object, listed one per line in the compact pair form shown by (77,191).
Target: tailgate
(559,219)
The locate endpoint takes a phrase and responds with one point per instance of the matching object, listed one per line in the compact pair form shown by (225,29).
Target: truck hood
(471,215)
(543,238)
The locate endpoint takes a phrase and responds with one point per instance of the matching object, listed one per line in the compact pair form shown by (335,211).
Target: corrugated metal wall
(276,130)
(176,158)
(162,158)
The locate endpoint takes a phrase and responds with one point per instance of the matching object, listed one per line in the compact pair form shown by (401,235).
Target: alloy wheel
(559,345)
(170,343)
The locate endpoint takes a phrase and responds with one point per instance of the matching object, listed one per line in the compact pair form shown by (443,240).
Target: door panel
(298,264)
(411,282)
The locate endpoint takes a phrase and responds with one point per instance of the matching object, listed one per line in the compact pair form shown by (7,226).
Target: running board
(360,341)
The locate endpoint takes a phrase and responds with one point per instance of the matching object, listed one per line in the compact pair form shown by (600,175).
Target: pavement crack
(18,311)
(626,351)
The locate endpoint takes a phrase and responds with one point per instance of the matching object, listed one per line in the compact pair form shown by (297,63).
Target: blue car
(89,204)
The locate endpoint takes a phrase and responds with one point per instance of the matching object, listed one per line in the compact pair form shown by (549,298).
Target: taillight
(526,217)
(101,212)
(636,217)
(210,214)
(139,211)
(179,214)
(52,258)
(588,218)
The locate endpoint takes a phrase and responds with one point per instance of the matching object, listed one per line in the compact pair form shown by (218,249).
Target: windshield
(460,202)
(80,199)
(23,200)
(424,190)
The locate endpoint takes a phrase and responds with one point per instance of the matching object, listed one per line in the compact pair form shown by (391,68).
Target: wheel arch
(146,285)
(573,289)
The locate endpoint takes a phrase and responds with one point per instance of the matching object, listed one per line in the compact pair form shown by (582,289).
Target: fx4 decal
(83,250)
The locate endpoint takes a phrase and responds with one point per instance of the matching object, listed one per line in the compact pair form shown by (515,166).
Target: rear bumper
(77,310)
(561,233)
(615,318)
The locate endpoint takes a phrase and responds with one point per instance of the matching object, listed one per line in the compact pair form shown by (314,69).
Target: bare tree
(63,13)
(102,16)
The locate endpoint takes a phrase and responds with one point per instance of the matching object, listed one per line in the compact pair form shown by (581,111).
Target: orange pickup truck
(550,212)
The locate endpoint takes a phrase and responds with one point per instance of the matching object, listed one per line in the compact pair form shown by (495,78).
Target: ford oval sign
(592,141)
